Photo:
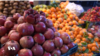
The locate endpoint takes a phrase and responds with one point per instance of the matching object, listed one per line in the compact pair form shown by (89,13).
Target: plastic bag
(75,8)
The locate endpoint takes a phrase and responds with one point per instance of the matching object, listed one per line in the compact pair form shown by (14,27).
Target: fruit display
(32,35)
(40,7)
(8,8)
(62,19)
(92,15)
(65,21)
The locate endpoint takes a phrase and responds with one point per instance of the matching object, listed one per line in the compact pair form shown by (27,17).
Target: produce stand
(49,28)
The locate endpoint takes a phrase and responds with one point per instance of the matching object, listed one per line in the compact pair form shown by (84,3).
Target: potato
(15,7)
(13,11)
(18,11)
(1,7)
(17,0)
(15,4)
(25,2)
(23,7)
(6,5)
(5,12)
(6,2)
(21,3)
(1,13)
(28,6)
(10,8)
(1,3)
(11,2)
(5,9)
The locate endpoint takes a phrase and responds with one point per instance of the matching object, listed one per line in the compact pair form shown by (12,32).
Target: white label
(11,48)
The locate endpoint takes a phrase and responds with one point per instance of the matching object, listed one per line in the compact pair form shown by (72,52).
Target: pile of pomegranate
(31,35)
(92,15)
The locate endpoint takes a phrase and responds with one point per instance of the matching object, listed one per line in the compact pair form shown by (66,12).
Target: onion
(40,27)
(27,41)
(49,34)
(11,48)
(64,49)
(48,46)
(4,39)
(25,52)
(3,30)
(58,42)
(15,36)
(47,54)
(56,52)
(39,38)
(25,29)
(37,50)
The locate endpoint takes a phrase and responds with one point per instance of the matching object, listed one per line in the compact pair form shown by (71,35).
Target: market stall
(28,28)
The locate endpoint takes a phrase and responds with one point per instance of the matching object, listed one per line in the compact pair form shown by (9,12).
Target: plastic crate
(71,51)
(96,54)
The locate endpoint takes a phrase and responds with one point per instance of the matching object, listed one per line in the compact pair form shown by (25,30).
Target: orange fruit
(94,44)
(70,23)
(75,22)
(60,26)
(96,39)
(94,48)
(71,17)
(53,9)
(84,39)
(89,46)
(60,20)
(79,36)
(83,48)
(90,35)
(77,54)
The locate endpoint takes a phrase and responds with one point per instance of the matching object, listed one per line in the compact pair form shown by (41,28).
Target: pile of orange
(62,19)
(65,21)
(63,4)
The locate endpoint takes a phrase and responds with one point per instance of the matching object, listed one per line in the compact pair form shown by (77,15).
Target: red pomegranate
(25,29)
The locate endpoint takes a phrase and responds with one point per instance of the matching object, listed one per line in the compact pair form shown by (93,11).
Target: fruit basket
(71,51)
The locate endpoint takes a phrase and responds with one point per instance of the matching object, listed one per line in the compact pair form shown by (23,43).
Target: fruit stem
(28,37)
(12,41)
